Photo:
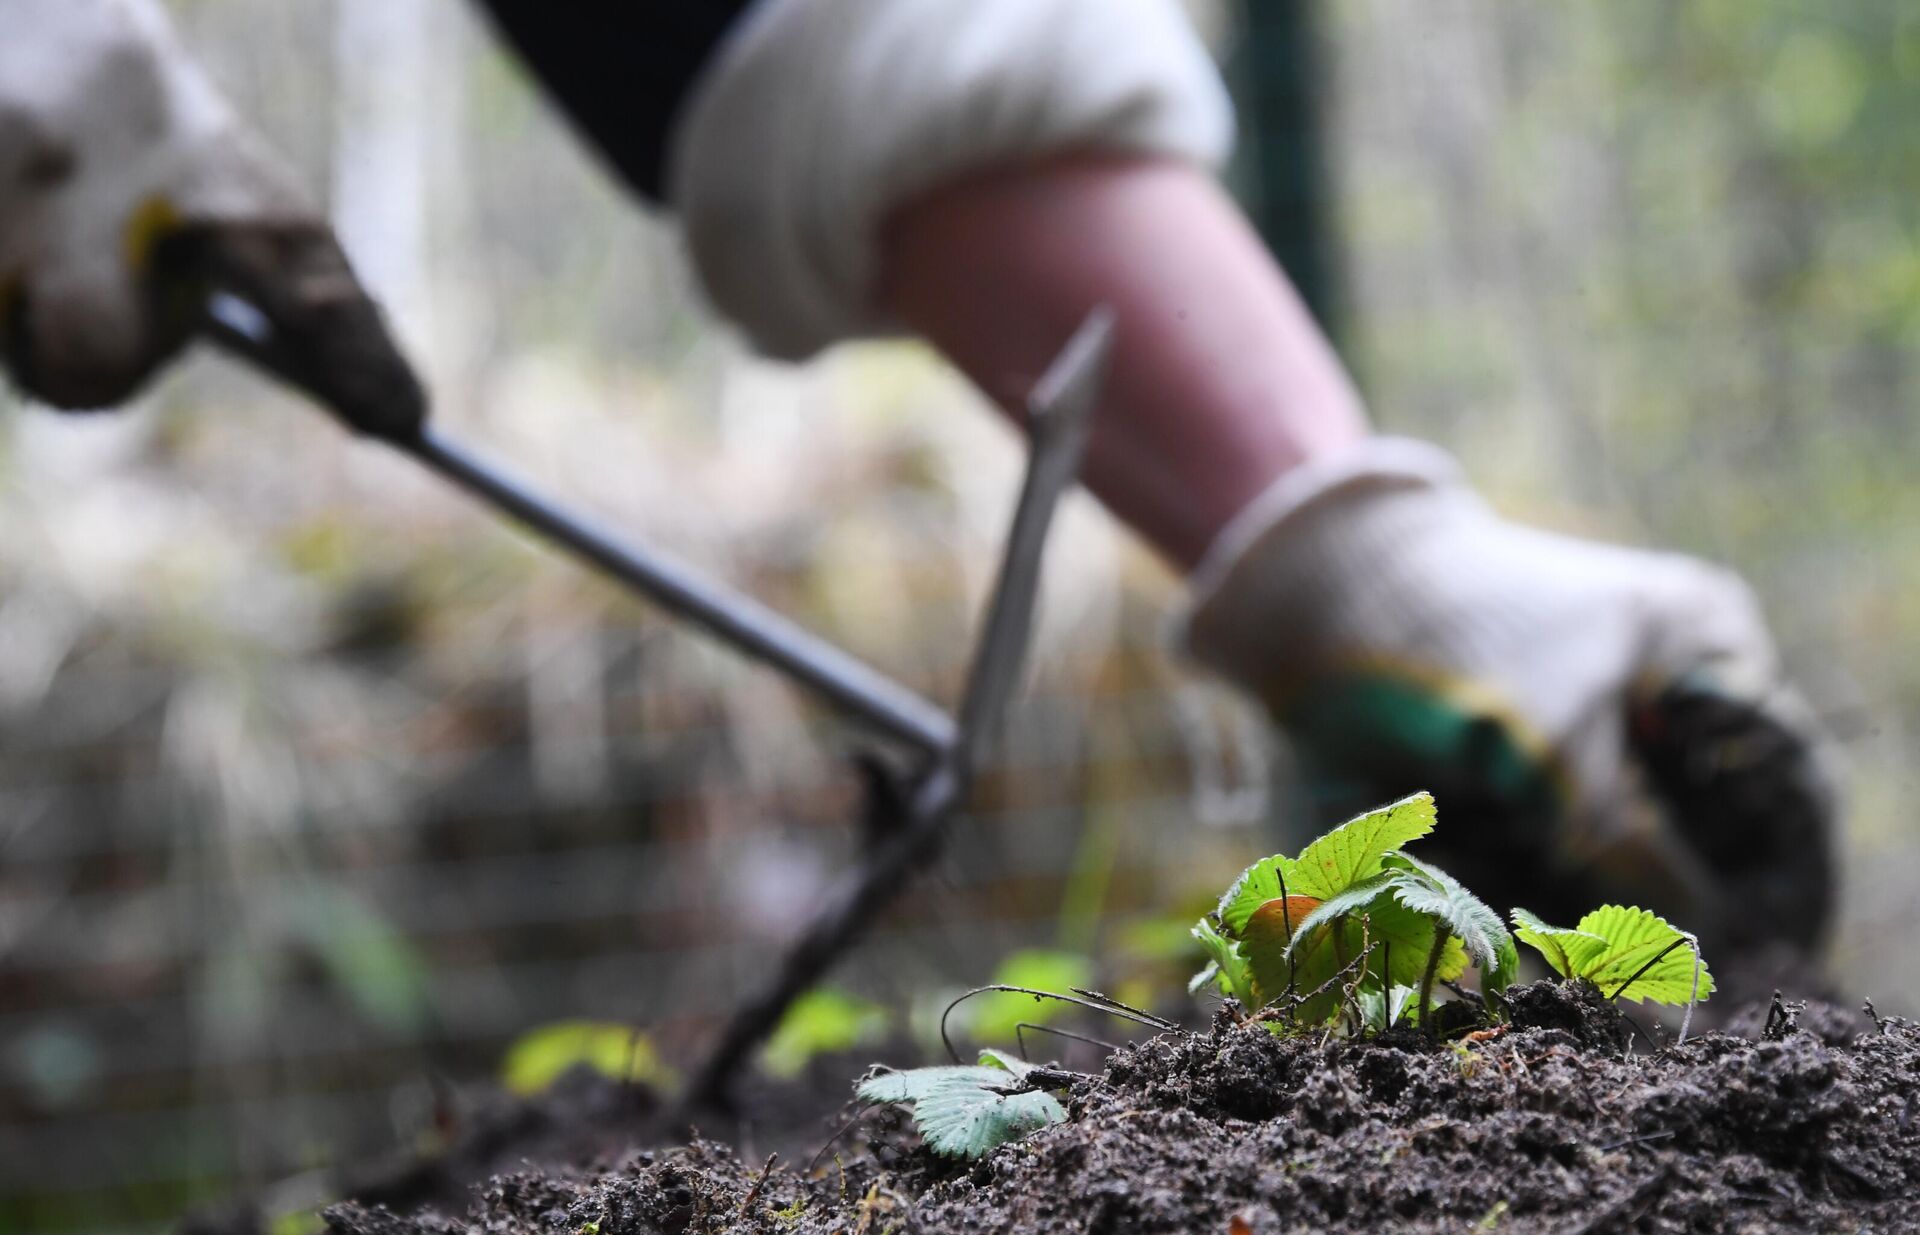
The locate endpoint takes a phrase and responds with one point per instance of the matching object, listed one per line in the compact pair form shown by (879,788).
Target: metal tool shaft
(241,327)
(733,616)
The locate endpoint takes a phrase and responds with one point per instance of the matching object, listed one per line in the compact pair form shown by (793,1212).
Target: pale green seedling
(966,1112)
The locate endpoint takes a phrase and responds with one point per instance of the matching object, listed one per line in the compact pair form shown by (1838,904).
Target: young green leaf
(1227,966)
(1625,952)
(1381,1010)
(1256,885)
(1427,889)
(1635,938)
(1346,855)
(1307,928)
(1563,946)
(1352,912)
(1353,851)
(960,1110)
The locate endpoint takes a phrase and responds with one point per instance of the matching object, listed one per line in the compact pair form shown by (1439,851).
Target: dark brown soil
(1566,1122)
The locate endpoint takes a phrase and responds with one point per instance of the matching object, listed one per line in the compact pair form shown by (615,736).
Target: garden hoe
(356,376)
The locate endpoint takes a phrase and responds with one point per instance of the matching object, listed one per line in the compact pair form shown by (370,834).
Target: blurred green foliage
(996,1018)
(823,1021)
(620,1052)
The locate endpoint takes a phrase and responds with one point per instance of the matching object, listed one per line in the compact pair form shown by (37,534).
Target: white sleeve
(819,116)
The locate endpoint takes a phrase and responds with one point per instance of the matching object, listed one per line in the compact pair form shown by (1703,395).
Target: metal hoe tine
(1059,417)
(1059,414)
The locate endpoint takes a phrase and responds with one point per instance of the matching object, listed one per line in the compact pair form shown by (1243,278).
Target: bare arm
(1222,381)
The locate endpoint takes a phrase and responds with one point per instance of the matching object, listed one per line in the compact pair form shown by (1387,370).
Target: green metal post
(1278,77)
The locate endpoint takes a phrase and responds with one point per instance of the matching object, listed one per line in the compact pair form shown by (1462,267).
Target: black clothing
(619,69)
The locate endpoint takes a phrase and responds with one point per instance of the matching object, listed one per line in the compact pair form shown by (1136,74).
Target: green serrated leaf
(1321,947)
(1634,937)
(1427,889)
(964,1123)
(1406,936)
(958,1109)
(913,1084)
(1609,947)
(1564,947)
(1353,851)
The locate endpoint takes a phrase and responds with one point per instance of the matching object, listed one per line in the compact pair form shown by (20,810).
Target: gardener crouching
(1607,722)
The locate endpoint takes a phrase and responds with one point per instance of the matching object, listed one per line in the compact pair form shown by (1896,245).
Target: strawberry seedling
(1338,930)
(1625,952)
(1351,933)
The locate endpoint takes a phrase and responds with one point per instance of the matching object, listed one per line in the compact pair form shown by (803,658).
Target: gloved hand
(1597,722)
(129,192)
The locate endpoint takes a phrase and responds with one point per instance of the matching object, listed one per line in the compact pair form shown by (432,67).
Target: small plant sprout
(1625,952)
(1352,927)
(1382,1010)
(965,1112)
(1463,916)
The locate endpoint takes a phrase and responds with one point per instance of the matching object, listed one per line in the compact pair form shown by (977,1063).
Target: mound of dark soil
(1552,1125)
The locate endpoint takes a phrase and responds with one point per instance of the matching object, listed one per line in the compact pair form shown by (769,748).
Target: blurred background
(320,786)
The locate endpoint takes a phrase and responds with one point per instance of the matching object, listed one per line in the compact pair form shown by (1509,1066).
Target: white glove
(1408,637)
(118,159)
(818,117)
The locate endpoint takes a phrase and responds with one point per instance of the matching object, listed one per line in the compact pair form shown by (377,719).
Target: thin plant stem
(1019,1032)
(1298,1000)
(1114,1005)
(1286,920)
(1350,995)
(1693,997)
(1657,957)
(1427,975)
(1093,1001)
